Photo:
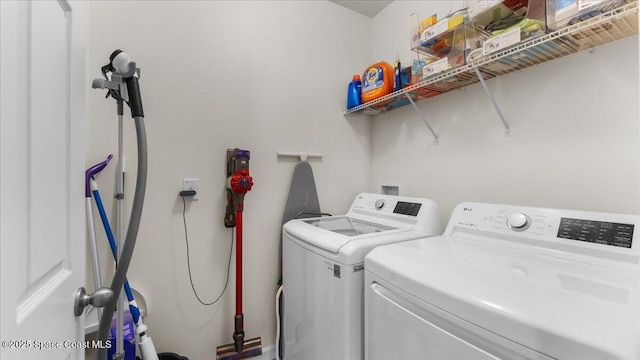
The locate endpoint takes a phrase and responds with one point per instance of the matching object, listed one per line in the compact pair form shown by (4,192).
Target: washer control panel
(407,208)
(419,214)
(401,207)
(386,204)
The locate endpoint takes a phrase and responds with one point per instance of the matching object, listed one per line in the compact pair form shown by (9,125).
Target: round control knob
(518,222)
(379,204)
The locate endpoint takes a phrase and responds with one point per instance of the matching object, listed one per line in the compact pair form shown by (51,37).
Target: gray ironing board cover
(303,197)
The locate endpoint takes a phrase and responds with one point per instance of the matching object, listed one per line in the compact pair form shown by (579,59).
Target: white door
(42,253)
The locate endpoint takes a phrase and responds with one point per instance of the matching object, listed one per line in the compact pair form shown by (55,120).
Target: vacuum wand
(238,334)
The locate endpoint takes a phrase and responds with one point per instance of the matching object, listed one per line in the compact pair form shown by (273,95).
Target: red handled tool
(239,182)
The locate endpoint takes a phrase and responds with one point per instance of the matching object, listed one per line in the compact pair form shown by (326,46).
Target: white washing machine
(323,271)
(508,282)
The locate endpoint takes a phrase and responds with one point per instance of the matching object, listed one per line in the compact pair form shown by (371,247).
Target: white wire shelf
(609,27)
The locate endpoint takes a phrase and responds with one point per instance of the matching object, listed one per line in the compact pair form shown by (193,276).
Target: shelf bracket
(415,107)
(507,129)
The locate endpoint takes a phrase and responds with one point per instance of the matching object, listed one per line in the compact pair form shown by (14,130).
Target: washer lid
(348,226)
(560,307)
(332,233)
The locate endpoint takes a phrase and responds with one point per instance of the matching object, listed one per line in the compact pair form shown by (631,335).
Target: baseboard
(268,353)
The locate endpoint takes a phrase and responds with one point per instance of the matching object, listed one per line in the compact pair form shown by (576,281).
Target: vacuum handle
(135,99)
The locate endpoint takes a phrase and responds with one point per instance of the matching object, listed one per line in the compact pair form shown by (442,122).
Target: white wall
(261,75)
(574,144)
(271,76)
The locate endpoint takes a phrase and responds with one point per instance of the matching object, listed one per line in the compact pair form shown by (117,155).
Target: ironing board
(303,197)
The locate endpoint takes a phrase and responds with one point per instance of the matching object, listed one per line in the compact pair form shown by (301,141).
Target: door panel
(41,178)
(48,126)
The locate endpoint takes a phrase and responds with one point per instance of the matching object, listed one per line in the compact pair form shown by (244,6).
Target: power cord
(186,237)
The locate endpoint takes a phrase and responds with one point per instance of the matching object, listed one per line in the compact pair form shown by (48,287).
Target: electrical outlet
(191,184)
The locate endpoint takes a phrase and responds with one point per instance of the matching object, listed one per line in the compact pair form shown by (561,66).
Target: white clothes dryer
(323,271)
(508,282)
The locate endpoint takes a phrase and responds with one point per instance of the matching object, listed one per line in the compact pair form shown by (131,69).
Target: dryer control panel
(570,230)
(600,232)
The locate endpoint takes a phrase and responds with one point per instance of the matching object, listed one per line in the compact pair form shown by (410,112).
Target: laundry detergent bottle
(377,81)
(354,93)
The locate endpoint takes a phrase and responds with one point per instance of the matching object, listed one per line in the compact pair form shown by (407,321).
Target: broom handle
(239,263)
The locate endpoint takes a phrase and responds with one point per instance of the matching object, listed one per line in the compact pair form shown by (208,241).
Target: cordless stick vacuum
(239,182)
(123,86)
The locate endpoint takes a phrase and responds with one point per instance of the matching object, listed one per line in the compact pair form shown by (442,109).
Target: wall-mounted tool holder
(303,156)
(239,182)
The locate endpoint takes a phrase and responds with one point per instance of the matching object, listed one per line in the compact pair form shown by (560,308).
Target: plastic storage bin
(505,23)
(443,45)
(561,13)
